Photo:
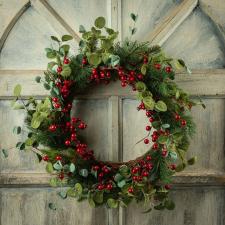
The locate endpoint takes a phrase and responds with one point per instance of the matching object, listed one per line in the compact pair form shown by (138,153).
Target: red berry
(101,175)
(123,84)
(66,61)
(102,75)
(172,166)
(94,71)
(109,187)
(135,169)
(151,119)
(164,153)
(67,142)
(55,99)
(52,128)
(132,73)
(149,166)
(148,158)
(84,61)
(146,141)
(168,186)
(82,126)
(108,75)
(183,123)
(61,176)
(155,146)
(148,128)
(145,174)
(95,168)
(148,113)
(101,187)
(73,137)
(140,76)
(58,158)
(131,78)
(130,190)
(168,69)
(59,69)
(157,66)
(145,60)
(177,117)
(139,178)
(45,158)
(57,105)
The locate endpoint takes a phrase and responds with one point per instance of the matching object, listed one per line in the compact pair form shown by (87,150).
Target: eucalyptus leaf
(134,17)
(66,71)
(17,130)
(112,203)
(17,90)
(54,38)
(52,206)
(72,168)
(84,172)
(38,79)
(5,153)
(49,167)
(62,194)
(67,37)
(149,103)
(82,29)
(161,106)
(100,22)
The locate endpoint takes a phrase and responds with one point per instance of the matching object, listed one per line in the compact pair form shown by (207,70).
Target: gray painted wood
(111,113)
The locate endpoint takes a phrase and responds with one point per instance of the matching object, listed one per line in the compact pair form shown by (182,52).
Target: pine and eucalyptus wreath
(56,137)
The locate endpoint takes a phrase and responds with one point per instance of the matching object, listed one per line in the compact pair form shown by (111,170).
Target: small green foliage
(100,22)
(52,206)
(67,37)
(112,203)
(192,161)
(161,106)
(49,167)
(17,90)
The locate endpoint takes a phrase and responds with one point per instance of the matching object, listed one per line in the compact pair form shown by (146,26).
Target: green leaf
(124,170)
(147,211)
(121,183)
(57,165)
(114,60)
(156,124)
(112,203)
(72,168)
(78,188)
(65,49)
(161,106)
(100,22)
(192,161)
(17,90)
(98,197)
(134,17)
(66,71)
(165,126)
(169,204)
(35,122)
(62,194)
(54,38)
(140,86)
(38,79)
(17,130)
(94,59)
(52,206)
(71,192)
(53,182)
(162,139)
(82,29)
(91,201)
(5,153)
(51,55)
(118,177)
(180,167)
(66,37)
(149,102)
(177,94)
(144,69)
(133,30)
(49,167)
(29,142)
(20,145)
(84,172)
(159,207)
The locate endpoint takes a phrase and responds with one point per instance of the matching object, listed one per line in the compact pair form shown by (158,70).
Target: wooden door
(189,29)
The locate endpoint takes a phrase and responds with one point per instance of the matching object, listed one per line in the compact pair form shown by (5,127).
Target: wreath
(56,137)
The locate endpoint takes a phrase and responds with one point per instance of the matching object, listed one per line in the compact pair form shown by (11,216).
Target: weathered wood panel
(30,207)
(197,206)
(197,43)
